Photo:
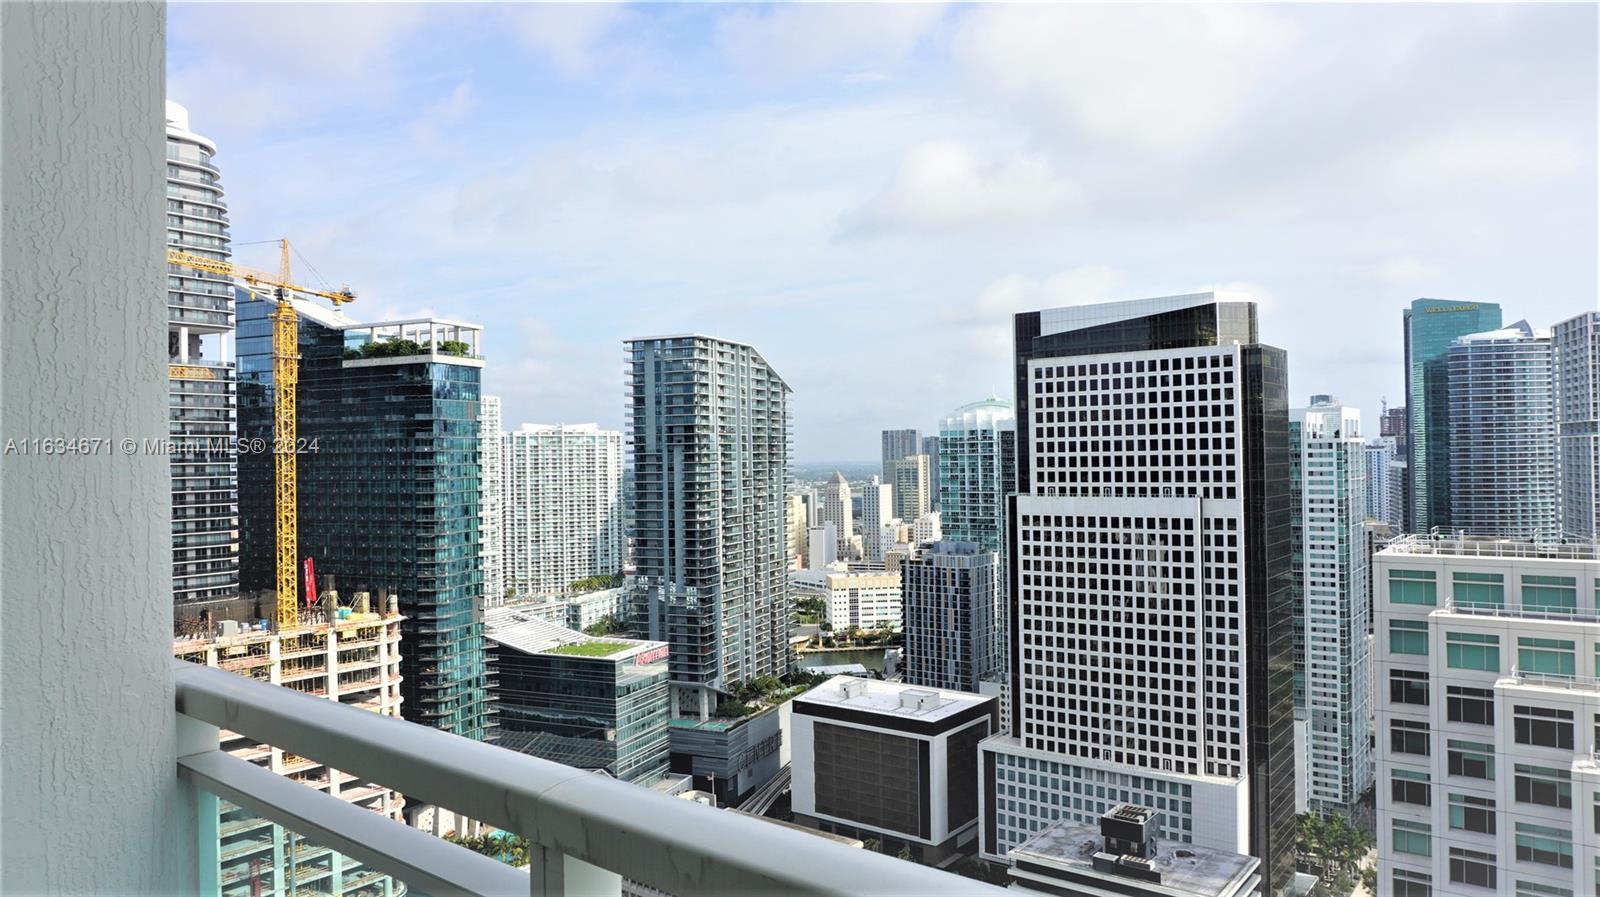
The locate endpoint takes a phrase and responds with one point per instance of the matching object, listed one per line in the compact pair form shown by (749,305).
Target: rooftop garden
(589,649)
(397,348)
(766,691)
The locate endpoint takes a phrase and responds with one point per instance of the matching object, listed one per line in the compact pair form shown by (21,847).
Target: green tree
(905,854)
(606,625)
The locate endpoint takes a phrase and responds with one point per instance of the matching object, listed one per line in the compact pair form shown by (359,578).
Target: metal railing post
(195,737)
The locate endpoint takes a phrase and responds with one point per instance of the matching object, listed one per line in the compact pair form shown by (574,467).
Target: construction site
(348,653)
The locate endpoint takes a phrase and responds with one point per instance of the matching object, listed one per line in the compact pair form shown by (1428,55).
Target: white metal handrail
(567,814)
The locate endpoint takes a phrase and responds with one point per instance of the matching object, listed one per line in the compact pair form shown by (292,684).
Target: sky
(867,193)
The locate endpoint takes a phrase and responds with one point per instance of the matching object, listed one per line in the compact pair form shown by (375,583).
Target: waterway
(871,658)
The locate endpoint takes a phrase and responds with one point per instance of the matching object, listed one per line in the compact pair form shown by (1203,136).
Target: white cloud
(1153,76)
(568,34)
(1507,154)
(989,319)
(1405,270)
(451,110)
(944,186)
(797,40)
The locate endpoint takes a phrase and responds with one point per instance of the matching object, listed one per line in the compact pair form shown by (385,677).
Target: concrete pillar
(88,721)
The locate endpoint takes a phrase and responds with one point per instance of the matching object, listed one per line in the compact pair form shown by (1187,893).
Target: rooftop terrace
(1486,546)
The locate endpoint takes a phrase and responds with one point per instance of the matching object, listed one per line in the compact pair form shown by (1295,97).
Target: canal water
(871,658)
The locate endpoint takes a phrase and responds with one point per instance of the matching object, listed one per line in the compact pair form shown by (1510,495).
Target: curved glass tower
(205,515)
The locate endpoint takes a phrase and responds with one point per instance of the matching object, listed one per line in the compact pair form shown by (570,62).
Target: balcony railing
(1523,611)
(586,831)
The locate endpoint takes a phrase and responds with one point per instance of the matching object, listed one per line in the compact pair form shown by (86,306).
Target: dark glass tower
(388,485)
(1150,609)
(1431,325)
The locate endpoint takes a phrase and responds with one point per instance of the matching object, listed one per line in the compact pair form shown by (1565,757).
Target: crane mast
(285,431)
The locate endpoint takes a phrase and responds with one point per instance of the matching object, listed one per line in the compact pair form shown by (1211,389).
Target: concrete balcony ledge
(587,832)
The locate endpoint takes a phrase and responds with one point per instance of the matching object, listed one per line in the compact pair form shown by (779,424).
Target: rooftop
(1184,868)
(891,698)
(519,628)
(1488,546)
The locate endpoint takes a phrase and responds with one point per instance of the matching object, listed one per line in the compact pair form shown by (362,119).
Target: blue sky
(867,193)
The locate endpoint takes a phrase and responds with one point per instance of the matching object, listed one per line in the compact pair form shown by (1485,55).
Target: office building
(977,463)
(1431,326)
(824,543)
(1124,855)
(1330,583)
(709,422)
(865,599)
(877,510)
(927,529)
(388,487)
(838,509)
(491,511)
(911,487)
(351,656)
(898,444)
(1379,453)
(1151,618)
(1487,704)
(1503,452)
(930,447)
(795,530)
(201,411)
(952,616)
(596,703)
(892,763)
(562,490)
(1576,343)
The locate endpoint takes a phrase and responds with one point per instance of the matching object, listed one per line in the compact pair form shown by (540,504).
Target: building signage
(654,655)
(1445,308)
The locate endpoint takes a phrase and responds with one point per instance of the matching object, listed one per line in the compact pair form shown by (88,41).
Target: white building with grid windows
(490,513)
(1330,579)
(561,487)
(837,510)
(1151,626)
(877,509)
(1488,665)
(1576,344)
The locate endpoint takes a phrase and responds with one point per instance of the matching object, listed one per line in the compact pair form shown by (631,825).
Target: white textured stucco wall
(89,802)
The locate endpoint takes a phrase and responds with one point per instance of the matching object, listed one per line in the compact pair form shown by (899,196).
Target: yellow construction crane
(286,382)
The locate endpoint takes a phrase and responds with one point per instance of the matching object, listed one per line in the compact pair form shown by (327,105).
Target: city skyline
(755,183)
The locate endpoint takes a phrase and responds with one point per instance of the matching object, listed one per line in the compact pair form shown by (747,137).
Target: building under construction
(348,654)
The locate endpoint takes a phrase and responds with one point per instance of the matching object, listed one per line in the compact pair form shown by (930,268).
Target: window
(1478,589)
(1549,656)
(1469,705)
(1544,844)
(1408,687)
(1472,651)
(1472,867)
(1543,785)
(1543,727)
(1556,594)
(1408,737)
(1471,759)
(1407,787)
(1472,814)
(1413,837)
(1534,889)
(1408,637)
(1412,884)
(1413,587)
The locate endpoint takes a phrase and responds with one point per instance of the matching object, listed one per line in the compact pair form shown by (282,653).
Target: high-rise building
(926,529)
(824,541)
(562,494)
(911,486)
(1577,369)
(201,422)
(597,703)
(1151,615)
(1487,745)
(491,511)
(930,447)
(977,448)
(1392,422)
(1503,452)
(388,487)
(709,433)
(1431,325)
(794,529)
(877,509)
(952,616)
(1379,453)
(837,509)
(896,445)
(1327,462)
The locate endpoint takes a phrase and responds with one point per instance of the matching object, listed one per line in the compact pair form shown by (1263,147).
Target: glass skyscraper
(1431,325)
(1503,451)
(977,470)
(1576,343)
(205,514)
(709,437)
(389,487)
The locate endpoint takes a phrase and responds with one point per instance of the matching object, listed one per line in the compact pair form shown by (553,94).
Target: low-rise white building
(890,762)
(1488,657)
(868,599)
